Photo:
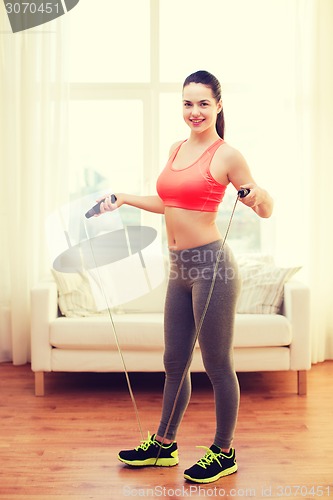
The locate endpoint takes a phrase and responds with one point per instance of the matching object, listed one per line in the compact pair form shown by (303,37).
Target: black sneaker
(212,466)
(151,452)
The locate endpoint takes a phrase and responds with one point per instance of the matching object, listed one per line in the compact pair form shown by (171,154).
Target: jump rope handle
(243,192)
(96,209)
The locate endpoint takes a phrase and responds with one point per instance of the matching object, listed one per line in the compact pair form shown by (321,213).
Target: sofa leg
(301,382)
(39,383)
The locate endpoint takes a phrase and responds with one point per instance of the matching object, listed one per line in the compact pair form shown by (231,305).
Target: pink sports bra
(192,187)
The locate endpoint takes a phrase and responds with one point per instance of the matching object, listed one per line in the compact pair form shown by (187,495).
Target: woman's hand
(258,199)
(106,204)
(255,196)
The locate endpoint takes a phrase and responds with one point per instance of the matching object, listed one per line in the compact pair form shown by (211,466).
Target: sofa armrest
(296,307)
(44,309)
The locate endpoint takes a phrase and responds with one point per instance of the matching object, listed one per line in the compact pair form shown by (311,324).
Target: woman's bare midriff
(190,228)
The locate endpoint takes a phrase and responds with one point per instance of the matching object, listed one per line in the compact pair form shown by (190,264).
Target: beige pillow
(75,298)
(263,286)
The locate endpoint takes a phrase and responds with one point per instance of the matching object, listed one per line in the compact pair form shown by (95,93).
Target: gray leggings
(191,273)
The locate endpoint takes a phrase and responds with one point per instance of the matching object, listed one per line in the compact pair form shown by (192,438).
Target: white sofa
(263,342)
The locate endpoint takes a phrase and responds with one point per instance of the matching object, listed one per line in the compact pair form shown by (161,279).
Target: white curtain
(33,99)
(320,150)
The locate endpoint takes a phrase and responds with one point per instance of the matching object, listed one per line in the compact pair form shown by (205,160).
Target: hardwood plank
(39,384)
(65,445)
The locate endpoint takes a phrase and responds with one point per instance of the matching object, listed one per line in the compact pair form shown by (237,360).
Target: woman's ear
(219,106)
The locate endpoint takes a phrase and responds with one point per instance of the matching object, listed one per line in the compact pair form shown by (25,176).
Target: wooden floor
(65,445)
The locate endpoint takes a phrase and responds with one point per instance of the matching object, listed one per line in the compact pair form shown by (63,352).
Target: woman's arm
(240,176)
(149,203)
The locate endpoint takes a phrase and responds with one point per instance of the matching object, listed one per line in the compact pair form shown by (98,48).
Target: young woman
(190,189)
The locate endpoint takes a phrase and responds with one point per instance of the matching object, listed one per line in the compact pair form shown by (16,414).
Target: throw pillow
(263,287)
(75,298)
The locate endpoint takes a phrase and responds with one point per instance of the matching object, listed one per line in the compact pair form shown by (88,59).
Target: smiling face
(200,108)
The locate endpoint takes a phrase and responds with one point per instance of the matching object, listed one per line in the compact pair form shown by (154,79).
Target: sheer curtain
(33,99)
(320,153)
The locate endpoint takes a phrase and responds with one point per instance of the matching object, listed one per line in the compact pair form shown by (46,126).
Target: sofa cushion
(262,330)
(145,331)
(133,330)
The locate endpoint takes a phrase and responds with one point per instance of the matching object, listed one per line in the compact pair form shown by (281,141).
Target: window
(110,41)
(102,155)
(127,62)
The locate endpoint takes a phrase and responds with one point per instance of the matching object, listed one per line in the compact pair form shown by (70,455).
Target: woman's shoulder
(229,154)
(175,145)
(226,161)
